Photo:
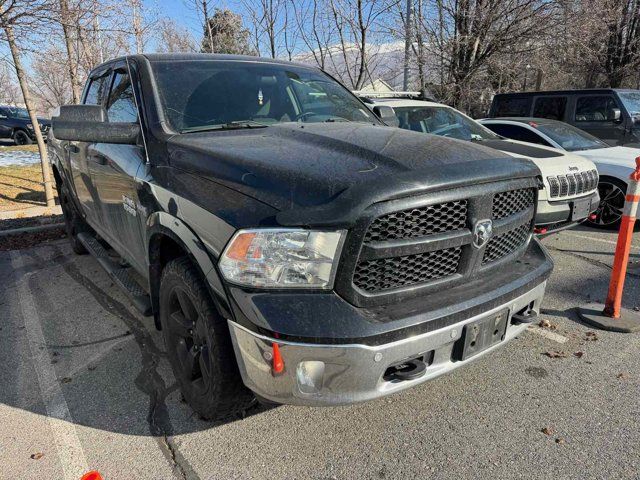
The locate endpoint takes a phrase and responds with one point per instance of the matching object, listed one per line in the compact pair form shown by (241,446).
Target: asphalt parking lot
(86,385)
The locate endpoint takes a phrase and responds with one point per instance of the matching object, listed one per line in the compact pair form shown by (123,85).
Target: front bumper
(337,374)
(556,215)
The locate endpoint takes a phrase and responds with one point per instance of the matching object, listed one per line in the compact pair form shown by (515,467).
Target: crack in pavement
(148,381)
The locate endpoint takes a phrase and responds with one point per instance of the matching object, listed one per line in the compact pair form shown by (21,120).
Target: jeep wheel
(612,197)
(73,222)
(20,137)
(198,344)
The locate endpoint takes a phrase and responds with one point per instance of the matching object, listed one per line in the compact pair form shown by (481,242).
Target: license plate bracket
(482,334)
(580,209)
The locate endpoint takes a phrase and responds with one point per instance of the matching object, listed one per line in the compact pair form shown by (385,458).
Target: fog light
(310,376)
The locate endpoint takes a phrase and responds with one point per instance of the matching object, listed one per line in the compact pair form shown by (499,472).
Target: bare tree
(15,16)
(355,23)
(313,24)
(10,92)
(172,38)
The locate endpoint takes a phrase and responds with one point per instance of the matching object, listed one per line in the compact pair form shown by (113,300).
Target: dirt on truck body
(290,245)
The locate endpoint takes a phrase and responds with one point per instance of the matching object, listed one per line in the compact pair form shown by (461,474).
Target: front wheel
(20,137)
(198,344)
(612,198)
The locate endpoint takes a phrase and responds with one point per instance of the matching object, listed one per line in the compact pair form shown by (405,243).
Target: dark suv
(609,114)
(15,124)
(287,242)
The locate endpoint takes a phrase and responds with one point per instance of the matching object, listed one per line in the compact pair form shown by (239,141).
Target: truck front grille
(572,184)
(513,201)
(505,244)
(376,275)
(418,222)
(433,243)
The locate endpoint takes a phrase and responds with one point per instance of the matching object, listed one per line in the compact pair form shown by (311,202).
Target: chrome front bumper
(325,375)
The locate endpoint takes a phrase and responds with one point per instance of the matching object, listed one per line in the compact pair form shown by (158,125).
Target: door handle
(71,148)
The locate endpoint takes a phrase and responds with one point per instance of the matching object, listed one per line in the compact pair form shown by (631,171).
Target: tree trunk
(72,65)
(22,79)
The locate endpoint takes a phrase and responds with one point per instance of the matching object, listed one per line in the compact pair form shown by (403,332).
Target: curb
(39,228)
(31,212)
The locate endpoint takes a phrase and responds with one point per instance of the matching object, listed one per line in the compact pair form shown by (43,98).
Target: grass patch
(20,148)
(21,187)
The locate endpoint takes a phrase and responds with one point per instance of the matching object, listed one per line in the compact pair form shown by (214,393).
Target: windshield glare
(631,101)
(442,121)
(14,112)
(569,137)
(209,94)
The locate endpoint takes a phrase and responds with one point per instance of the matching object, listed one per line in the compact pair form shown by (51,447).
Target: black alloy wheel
(612,198)
(199,345)
(20,137)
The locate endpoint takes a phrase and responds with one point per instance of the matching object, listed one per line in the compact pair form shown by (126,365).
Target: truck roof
(181,57)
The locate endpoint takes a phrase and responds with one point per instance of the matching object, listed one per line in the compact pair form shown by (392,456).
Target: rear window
(550,107)
(511,107)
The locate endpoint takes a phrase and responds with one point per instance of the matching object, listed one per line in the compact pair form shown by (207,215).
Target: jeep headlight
(29,126)
(282,258)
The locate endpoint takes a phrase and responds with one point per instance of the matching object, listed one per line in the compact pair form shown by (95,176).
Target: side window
(121,106)
(550,107)
(95,92)
(512,107)
(595,108)
(515,132)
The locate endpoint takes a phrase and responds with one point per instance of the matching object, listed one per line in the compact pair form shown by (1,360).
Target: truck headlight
(282,258)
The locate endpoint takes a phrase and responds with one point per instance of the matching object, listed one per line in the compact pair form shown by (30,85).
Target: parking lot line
(601,240)
(556,337)
(67,444)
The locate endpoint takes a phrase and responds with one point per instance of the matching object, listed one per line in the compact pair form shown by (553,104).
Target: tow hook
(526,315)
(408,370)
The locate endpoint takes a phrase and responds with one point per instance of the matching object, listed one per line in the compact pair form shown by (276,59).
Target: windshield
(14,112)
(443,121)
(213,94)
(569,137)
(631,101)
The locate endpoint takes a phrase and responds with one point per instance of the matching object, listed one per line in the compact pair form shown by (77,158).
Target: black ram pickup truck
(289,245)
(15,125)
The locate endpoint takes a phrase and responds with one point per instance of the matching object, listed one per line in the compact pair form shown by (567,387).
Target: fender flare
(164,224)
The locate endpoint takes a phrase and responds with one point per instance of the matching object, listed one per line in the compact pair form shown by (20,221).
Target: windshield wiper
(235,125)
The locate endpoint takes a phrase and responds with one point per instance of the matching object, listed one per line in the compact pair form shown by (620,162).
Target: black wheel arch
(166,244)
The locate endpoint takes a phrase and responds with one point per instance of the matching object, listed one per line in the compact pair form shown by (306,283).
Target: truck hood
(293,166)
(620,156)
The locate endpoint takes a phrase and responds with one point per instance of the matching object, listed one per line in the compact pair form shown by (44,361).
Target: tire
(198,344)
(20,137)
(612,196)
(74,224)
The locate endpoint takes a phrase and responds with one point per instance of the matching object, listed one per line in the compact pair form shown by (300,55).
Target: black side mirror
(387,115)
(89,123)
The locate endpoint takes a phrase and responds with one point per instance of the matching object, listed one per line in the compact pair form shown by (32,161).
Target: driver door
(113,171)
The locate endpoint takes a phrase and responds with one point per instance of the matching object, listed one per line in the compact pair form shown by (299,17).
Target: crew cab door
(113,170)
(76,152)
